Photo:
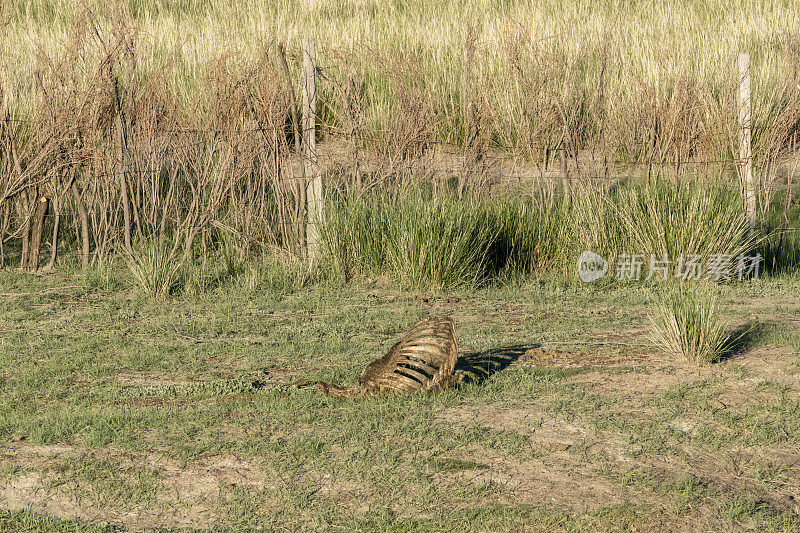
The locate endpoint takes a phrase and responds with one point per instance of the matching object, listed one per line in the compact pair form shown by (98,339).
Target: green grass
(32,522)
(686,325)
(432,239)
(156,268)
(107,482)
(142,393)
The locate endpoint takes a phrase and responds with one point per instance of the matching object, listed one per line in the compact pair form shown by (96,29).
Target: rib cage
(424,359)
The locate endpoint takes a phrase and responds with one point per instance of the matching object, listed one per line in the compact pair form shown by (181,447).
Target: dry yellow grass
(676,57)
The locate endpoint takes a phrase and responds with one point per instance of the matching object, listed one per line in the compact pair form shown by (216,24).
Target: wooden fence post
(40,211)
(314,192)
(745,149)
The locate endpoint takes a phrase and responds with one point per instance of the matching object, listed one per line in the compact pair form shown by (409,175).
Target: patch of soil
(187,498)
(562,359)
(769,363)
(633,384)
(555,480)
(145,379)
(547,434)
(725,475)
(563,475)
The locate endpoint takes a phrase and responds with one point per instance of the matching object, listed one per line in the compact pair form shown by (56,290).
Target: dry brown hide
(423,360)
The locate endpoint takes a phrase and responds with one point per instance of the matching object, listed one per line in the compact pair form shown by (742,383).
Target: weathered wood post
(745,149)
(40,211)
(314,192)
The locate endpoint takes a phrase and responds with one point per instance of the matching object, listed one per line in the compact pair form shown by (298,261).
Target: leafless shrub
(110,147)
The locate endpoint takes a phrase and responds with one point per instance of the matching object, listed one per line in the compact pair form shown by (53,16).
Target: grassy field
(119,411)
(162,321)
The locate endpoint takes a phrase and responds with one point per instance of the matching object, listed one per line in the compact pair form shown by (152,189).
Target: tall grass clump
(354,234)
(156,267)
(438,239)
(658,217)
(781,246)
(443,239)
(692,217)
(424,240)
(686,325)
(529,236)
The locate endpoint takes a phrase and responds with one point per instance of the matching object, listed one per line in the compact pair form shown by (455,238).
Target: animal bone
(423,360)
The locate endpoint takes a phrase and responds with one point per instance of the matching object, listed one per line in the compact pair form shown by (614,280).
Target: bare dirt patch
(188,495)
(561,474)
(563,359)
(555,480)
(726,475)
(769,363)
(636,384)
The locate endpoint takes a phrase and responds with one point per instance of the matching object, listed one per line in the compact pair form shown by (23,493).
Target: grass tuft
(687,326)
(155,267)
